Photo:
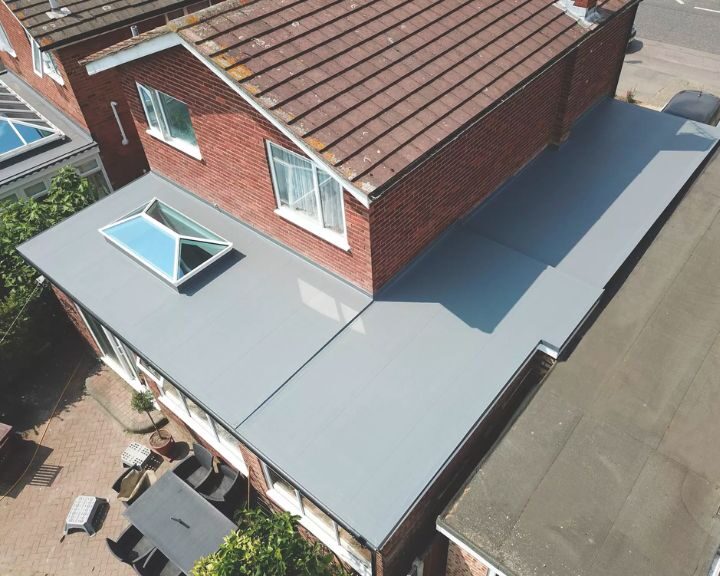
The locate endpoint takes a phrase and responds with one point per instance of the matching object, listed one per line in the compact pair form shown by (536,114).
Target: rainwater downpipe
(120,126)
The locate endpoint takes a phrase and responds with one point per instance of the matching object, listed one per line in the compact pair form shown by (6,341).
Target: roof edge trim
(146,48)
(170,40)
(446,531)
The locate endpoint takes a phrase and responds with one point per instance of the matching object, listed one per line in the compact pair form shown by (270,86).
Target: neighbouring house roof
(371,88)
(361,403)
(610,469)
(86,18)
(68,140)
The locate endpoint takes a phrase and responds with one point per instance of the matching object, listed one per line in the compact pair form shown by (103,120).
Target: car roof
(694,105)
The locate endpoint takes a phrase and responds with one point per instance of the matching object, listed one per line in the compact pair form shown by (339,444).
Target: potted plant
(161,440)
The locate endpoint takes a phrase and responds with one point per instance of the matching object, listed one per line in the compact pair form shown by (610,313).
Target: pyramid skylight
(166,241)
(21,128)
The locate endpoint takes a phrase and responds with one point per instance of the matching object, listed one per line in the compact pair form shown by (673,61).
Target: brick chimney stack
(584,11)
(586,4)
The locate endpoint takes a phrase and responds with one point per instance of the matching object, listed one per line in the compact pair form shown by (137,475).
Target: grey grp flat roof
(232,335)
(613,464)
(76,139)
(365,426)
(395,394)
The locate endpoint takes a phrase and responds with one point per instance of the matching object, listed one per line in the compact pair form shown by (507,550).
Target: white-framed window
(44,62)
(5,45)
(196,418)
(329,532)
(169,120)
(307,195)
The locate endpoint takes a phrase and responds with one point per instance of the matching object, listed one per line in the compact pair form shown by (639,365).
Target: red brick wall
(62,96)
(596,67)
(72,312)
(123,163)
(233,172)
(450,184)
(462,563)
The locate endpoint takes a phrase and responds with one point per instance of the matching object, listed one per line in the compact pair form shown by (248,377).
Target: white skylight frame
(174,280)
(29,117)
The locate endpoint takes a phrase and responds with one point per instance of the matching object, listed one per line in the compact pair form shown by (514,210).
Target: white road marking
(680,2)
(707,9)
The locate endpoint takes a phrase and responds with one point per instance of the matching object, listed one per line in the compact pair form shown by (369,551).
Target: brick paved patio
(80,455)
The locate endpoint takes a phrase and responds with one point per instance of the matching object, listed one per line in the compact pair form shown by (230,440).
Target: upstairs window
(44,62)
(166,241)
(5,45)
(306,194)
(169,120)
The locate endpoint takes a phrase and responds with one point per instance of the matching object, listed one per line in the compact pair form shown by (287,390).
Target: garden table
(181,523)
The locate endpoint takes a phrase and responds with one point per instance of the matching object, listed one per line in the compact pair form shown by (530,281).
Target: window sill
(57,78)
(346,556)
(206,435)
(192,151)
(311,226)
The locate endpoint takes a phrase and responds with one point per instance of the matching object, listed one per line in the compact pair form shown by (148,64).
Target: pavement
(655,71)
(78,454)
(614,461)
(691,24)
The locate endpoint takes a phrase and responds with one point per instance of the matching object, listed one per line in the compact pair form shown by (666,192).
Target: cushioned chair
(197,468)
(218,487)
(156,564)
(125,473)
(131,546)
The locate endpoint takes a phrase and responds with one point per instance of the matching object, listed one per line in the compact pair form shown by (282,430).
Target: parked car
(695,105)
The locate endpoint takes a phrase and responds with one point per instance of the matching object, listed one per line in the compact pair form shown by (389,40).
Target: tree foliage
(22,308)
(267,545)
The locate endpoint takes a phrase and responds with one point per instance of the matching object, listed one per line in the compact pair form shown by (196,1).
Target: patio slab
(80,454)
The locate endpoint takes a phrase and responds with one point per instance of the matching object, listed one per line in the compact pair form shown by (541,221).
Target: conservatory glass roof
(21,128)
(166,241)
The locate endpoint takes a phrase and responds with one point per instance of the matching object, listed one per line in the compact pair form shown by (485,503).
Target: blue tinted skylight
(166,241)
(21,128)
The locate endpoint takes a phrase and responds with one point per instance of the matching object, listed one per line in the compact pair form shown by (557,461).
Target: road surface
(688,23)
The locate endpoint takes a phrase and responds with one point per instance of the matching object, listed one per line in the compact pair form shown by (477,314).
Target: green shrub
(267,545)
(20,295)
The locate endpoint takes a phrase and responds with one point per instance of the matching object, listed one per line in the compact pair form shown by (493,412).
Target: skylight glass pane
(194,253)
(32,134)
(147,242)
(166,241)
(8,139)
(179,223)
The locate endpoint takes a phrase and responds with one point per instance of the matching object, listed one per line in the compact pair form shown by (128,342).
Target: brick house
(360,282)
(43,45)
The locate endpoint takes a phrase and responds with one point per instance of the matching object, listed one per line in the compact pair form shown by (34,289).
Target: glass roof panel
(146,241)
(20,125)
(178,222)
(166,241)
(31,134)
(9,140)
(193,253)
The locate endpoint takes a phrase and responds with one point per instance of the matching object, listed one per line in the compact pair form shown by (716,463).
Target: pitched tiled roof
(374,85)
(86,18)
